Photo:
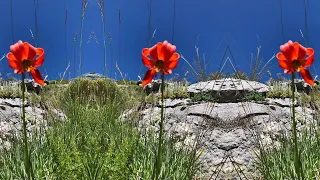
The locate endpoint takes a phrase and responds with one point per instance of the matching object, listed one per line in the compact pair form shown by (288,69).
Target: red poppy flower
(23,58)
(292,58)
(163,58)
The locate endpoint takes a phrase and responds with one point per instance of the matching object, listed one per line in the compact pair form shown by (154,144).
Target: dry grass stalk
(64,73)
(84,8)
(74,52)
(101,7)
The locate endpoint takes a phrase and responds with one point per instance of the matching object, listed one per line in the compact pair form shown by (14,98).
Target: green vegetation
(93,143)
(10,92)
(276,162)
(176,90)
(62,81)
(202,97)
(254,96)
(279,90)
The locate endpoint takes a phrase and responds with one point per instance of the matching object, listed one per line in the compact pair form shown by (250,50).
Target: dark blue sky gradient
(216,24)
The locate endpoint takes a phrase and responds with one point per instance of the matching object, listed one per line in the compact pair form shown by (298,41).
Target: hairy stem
(297,162)
(27,162)
(158,160)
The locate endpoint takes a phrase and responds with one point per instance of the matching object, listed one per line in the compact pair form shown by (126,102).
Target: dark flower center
(26,64)
(298,64)
(159,65)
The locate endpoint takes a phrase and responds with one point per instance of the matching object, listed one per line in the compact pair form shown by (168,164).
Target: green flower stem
(158,160)
(297,162)
(27,162)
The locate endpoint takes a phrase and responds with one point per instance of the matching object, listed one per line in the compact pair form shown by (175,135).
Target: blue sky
(197,23)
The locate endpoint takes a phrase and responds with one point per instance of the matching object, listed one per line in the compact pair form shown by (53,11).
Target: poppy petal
(160,51)
(145,52)
(173,61)
(175,57)
(145,60)
(39,61)
(18,71)
(300,50)
(11,56)
(288,51)
(281,56)
(288,71)
(30,50)
(24,51)
(310,58)
(153,51)
(13,63)
(148,77)
(17,50)
(168,50)
(283,62)
(305,73)
(167,71)
(36,75)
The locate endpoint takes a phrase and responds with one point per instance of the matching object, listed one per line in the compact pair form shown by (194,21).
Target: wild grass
(176,90)
(276,162)
(103,21)
(65,32)
(279,89)
(8,90)
(258,68)
(74,53)
(198,68)
(36,37)
(93,143)
(83,12)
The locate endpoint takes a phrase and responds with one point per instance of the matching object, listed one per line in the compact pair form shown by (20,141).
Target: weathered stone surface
(229,89)
(286,102)
(11,121)
(91,76)
(32,86)
(230,133)
(175,102)
(154,86)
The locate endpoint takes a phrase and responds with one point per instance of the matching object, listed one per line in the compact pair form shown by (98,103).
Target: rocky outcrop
(32,86)
(11,122)
(91,76)
(229,133)
(228,89)
(154,86)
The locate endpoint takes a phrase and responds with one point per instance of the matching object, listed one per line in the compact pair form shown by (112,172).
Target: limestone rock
(229,89)
(229,133)
(11,121)
(154,86)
